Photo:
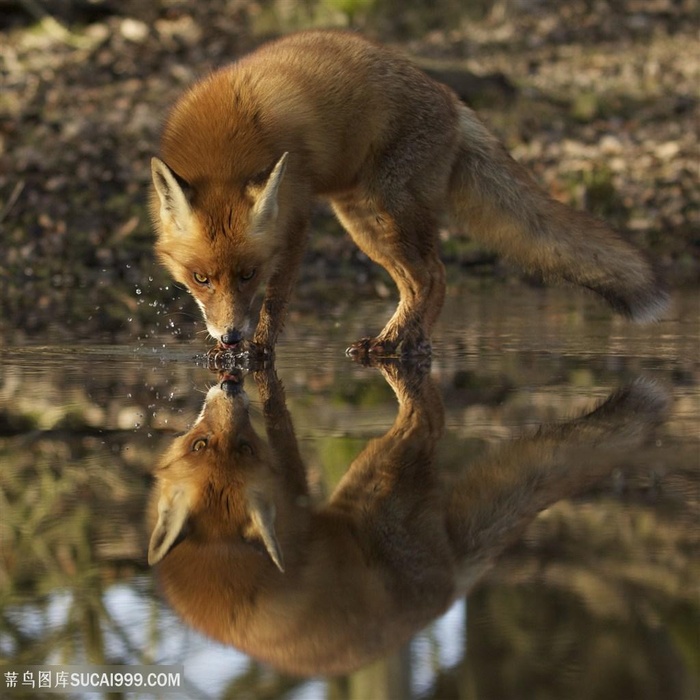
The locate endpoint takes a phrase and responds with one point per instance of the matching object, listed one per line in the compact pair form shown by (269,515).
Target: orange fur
(244,557)
(395,153)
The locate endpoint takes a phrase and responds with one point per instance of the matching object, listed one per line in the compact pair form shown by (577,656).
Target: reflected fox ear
(173,511)
(174,194)
(266,205)
(263,514)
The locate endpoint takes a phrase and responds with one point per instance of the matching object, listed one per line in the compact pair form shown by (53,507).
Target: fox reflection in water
(244,557)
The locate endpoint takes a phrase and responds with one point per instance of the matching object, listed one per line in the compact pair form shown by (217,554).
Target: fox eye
(199,444)
(247,275)
(199,278)
(246,448)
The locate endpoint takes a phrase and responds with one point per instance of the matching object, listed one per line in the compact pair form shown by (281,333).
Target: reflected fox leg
(396,472)
(406,246)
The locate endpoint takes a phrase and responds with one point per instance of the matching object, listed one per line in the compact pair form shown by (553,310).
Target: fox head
(215,484)
(220,241)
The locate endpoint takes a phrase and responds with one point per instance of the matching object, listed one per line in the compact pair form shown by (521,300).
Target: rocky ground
(601,100)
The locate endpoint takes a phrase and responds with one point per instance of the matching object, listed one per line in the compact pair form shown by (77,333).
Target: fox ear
(262,513)
(174,194)
(173,511)
(266,205)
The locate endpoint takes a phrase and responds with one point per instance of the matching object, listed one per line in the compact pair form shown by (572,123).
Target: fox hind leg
(406,246)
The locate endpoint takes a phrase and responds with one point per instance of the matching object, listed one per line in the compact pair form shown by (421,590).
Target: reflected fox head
(215,482)
(220,241)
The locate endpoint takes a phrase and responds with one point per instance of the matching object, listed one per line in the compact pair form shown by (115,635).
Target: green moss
(585,107)
(365,394)
(336,455)
(594,190)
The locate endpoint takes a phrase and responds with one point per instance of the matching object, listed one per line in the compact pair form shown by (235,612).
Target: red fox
(328,114)
(244,557)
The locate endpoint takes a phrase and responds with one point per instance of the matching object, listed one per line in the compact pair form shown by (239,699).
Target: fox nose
(231,384)
(231,337)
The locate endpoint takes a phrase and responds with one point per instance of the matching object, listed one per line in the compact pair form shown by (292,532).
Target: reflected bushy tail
(502,492)
(505,210)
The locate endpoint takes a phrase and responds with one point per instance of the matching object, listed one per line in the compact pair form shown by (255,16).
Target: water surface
(596,597)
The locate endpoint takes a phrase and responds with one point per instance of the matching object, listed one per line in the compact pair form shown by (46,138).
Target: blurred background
(600,99)
(101,358)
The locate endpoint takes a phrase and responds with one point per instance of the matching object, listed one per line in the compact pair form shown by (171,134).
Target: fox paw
(246,354)
(257,352)
(367,349)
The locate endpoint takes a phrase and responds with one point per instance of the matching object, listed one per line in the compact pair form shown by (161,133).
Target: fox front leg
(279,288)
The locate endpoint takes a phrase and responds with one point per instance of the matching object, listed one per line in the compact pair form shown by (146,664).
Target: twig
(51,25)
(12,200)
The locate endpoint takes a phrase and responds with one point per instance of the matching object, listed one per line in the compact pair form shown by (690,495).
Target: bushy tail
(502,207)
